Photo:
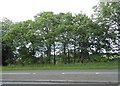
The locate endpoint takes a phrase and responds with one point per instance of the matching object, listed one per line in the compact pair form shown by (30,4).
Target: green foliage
(76,35)
(78,66)
(7,54)
(108,17)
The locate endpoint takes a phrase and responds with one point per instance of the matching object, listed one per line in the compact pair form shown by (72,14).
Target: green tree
(7,53)
(65,29)
(17,38)
(83,31)
(107,16)
(46,23)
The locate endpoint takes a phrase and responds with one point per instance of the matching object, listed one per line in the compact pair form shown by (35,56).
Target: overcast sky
(20,10)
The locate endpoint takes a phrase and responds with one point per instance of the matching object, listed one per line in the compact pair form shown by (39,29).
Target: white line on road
(33,73)
(89,73)
(80,73)
(27,73)
(97,73)
(17,73)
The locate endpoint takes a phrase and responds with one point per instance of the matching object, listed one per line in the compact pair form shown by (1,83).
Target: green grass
(98,65)
(0,68)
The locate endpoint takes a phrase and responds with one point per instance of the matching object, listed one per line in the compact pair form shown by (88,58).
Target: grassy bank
(98,65)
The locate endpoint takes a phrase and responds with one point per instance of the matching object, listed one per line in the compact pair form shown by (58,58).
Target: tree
(7,53)
(65,29)
(29,42)
(46,22)
(17,38)
(83,31)
(108,19)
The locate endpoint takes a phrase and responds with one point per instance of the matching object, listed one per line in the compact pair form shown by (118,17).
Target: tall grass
(95,65)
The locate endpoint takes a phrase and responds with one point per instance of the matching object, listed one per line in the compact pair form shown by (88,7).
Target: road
(60,77)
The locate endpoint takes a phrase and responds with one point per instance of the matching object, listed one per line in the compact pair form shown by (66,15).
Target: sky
(21,10)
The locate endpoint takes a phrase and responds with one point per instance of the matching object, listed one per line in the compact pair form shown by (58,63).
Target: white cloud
(18,10)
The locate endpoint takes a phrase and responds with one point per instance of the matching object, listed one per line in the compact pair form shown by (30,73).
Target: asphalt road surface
(63,77)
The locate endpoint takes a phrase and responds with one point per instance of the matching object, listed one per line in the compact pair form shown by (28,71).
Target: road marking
(16,73)
(33,73)
(27,73)
(97,73)
(79,73)
(103,73)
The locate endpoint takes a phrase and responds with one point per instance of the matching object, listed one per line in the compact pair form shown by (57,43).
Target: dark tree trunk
(64,52)
(68,56)
(75,50)
(79,53)
(74,54)
(82,57)
(42,60)
(54,54)
(49,53)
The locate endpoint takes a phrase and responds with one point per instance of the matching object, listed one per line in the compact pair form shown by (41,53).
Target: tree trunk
(54,54)
(64,53)
(42,59)
(74,54)
(79,54)
(82,57)
(68,56)
(49,53)
(75,50)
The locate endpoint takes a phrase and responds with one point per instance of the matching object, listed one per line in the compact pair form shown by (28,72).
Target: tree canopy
(61,38)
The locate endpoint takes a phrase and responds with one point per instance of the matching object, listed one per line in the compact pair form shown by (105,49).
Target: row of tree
(61,38)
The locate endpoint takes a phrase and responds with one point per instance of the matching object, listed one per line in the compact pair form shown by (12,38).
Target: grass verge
(98,65)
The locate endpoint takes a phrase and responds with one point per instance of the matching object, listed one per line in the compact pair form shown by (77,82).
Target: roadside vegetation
(77,66)
(63,40)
